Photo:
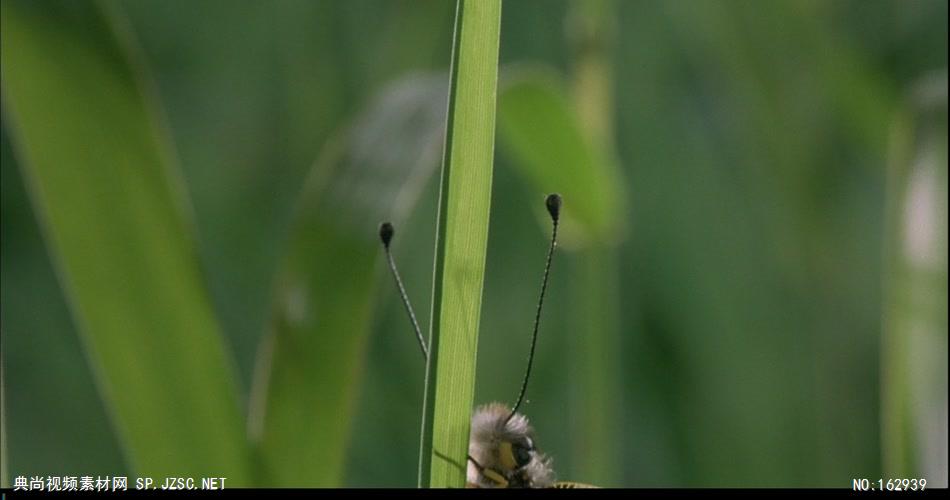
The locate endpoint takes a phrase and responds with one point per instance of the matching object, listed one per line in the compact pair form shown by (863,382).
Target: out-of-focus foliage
(914,371)
(751,140)
(553,147)
(543,134)
(322,309)
(564,141)
(105,187)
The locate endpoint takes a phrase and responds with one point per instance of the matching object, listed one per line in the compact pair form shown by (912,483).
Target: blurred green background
(723,328)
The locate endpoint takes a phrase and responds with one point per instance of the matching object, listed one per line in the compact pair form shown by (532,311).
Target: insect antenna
(386,232)
(553,203)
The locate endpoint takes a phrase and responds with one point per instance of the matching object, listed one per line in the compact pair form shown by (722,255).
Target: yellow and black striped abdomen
(570,485)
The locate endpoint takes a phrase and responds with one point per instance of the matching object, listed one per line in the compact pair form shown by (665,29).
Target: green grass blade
(310,364)
(98,171)
(461,243)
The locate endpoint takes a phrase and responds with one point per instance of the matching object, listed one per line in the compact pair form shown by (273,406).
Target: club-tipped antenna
(386,232)
(553,203)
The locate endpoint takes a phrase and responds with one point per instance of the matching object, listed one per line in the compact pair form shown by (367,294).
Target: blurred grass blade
(310,362)
(914,338)
(461,242)
(541,131)
(598,391)
(98,171)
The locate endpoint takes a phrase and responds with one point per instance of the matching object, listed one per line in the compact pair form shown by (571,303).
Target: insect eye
(522,455)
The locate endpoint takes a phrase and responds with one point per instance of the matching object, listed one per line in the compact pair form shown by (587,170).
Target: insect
(501,452)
